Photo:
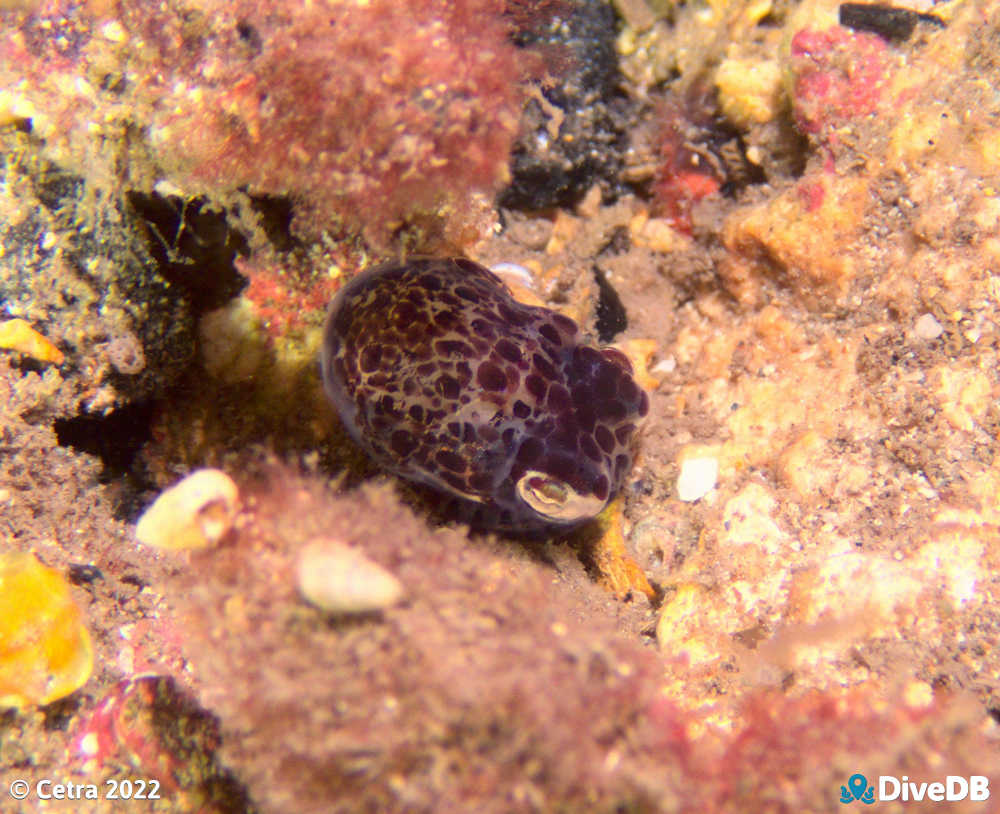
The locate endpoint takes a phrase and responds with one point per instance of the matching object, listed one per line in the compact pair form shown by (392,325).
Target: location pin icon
(857,784)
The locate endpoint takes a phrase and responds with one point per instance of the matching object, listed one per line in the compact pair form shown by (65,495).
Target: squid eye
(548,491)
(556,500)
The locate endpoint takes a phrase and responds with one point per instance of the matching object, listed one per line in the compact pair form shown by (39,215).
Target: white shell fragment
(517,273)
(927,327)
(339,579)
(698,477)
(193,513)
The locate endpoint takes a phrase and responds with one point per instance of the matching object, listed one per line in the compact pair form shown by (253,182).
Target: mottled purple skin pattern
(445,379)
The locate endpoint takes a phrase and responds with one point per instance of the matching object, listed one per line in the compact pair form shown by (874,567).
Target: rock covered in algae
(149,730)
(507,675)
(83,290)
(365,112)
(45,649)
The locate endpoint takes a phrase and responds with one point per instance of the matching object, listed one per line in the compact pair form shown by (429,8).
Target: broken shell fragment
(339,579)
(697,478)
(197,512)
(18,335)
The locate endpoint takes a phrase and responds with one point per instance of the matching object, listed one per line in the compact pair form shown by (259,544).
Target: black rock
(78,267)
(576,137)
(889,22)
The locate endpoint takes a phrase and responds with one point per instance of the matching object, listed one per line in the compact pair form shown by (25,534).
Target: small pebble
(514,273)
(668,365)
(927,327)
(698,477)
(197,512)
(339,579)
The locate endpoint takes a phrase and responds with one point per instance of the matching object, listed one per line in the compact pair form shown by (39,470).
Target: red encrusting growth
(792,754)
(688,169)
(150,728)
(366,113)
(839,75)
(812,193)
(283,297)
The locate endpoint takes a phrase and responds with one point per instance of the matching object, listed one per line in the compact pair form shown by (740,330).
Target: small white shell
(193,513)
(513,272)
(340,579)
(697,478)
(927,327)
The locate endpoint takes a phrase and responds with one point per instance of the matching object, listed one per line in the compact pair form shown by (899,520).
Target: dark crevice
(83,573)
(115,438)
(54,186)
(618,243)
(193,245)
(611,316)
(275,213)
(58,715)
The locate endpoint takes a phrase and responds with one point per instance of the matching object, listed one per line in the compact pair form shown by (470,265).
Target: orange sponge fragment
(45,649)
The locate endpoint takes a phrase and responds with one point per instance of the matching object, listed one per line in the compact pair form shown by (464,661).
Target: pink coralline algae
(283,294)
(793,754)
(839,75)
(148,726)
(122,730)
(367,114)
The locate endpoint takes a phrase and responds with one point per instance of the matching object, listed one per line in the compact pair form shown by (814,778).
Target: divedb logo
(953,789)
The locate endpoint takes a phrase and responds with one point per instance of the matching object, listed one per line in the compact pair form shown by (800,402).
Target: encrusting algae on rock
(45,648)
